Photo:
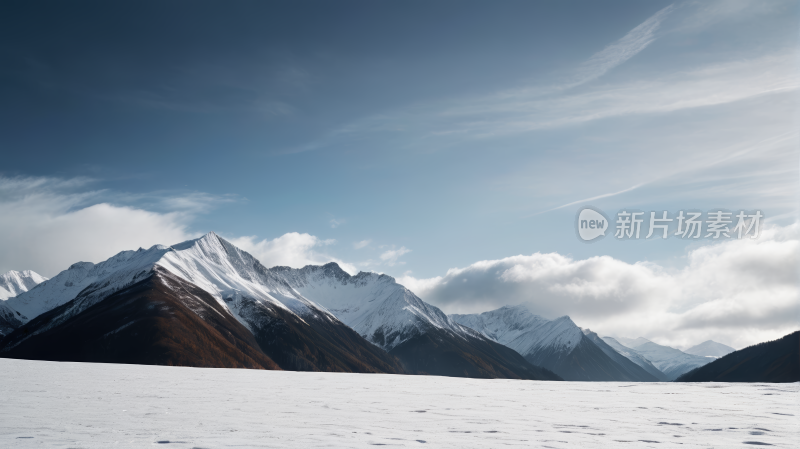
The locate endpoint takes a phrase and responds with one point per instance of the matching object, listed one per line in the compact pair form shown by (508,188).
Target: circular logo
(591,224)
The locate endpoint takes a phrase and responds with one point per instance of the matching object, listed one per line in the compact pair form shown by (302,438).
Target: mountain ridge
(771,361)
(558,345)
(710,348)
(272,305)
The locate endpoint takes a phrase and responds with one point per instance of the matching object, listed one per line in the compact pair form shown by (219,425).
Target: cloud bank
(292,250)
(47,224)
(738,292)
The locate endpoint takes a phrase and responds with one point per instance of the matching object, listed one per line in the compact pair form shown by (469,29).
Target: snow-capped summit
(233,276)
(377,307)
(374,305)
(672,362)
(559,344)
(224,271)
(15,282)
(311,318)
(12,284)
(522,331)
(92,281)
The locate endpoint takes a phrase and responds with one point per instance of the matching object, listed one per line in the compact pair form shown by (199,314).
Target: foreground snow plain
(52,404)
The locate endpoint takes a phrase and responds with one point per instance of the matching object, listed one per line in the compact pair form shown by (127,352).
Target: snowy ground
(47,404)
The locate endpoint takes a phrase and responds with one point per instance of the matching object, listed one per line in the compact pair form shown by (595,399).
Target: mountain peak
(565,319)
(516,308)
(210,235)
(710,348)
(14,283)
(332,266)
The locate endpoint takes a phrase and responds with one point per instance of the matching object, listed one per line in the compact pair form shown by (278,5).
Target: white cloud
(620,51)
(710,85)
(361,244)
(335,223)
(291,249)
(738,292)
(45,225)
(390,257)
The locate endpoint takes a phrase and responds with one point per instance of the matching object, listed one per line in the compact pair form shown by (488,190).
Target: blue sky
(403,137)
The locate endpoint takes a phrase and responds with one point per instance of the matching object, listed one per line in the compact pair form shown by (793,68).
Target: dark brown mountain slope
(437,352)
(164,320)
(315,343)
(161,320)
(772,361)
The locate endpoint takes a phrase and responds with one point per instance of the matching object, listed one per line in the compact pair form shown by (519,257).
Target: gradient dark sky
(246,101)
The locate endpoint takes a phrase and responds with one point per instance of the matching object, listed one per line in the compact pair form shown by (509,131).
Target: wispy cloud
(526,109)
(586,200)
(391,256)
(361,244)
(622,50)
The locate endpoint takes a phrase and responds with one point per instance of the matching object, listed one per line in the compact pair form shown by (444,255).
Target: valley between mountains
(207,303)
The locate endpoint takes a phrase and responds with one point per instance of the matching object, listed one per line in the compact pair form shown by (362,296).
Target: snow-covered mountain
(522,331)
(635,357)
(374,305)
(312,311)
(670,361)
(15,282)
(633,370)
(559,344)
(12,284)
(710,348)
(296,332)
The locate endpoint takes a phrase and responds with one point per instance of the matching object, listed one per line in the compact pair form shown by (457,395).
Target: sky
(449,144)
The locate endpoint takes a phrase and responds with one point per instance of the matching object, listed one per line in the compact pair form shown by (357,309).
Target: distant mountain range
(773,361)
(710,348)
(670,361)
(580,354)
(636,358)
(205,302)
(559,345)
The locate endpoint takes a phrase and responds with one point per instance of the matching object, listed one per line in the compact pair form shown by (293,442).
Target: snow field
(52,404)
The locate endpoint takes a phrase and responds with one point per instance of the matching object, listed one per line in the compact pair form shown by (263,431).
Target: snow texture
(52,404)
(92,281)
(375,306)
(12,284)
(524,332)
(15,282)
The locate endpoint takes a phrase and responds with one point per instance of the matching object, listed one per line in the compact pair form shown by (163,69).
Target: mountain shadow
(440,353)
(627,368)
(160,320)
(164,320)
(772,361)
